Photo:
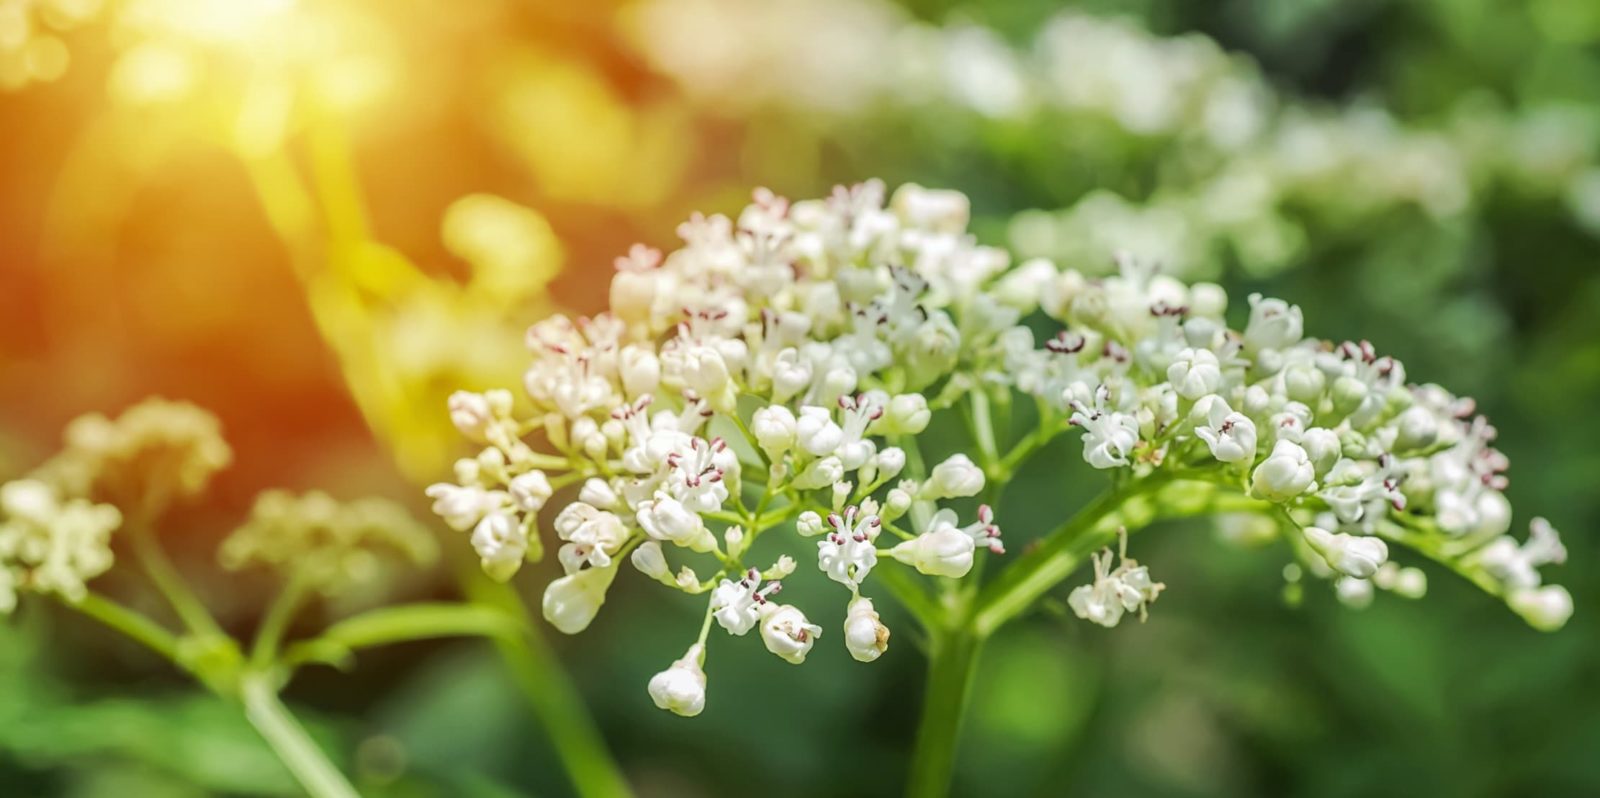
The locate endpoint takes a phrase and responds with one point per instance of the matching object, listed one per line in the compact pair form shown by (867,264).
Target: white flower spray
(774,375)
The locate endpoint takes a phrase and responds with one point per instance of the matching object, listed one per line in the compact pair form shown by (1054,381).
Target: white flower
(462,507)
(571,602)
(639,369)
(501,544)
(907,414)
(29,500)
(50,545)
(954,478)
(774,428)
(734,605)
(1517,566)
(473,413)
(1544,608)
(1097,602)
(849,552)
(1230,436)
(890,462)
(531,490)
(787,633)
(1113,593)
(650,561)
(1303,382)
(865,636)
(809,524)
(665,518)
(944,550)
(1352,592)
(681,688)
(939,210)
(1285,474)
(820,474)
(816,431)
(1274,324)
(1322,448)
(1108,438)
(1195,373)
(1351,555)
(1416,428)
(593,535)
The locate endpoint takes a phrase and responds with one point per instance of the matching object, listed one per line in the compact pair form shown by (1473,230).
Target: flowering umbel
(774,374)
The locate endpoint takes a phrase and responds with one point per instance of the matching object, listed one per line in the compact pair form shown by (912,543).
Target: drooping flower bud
(787,633)
(681,688)
(571,602)
(865,636)
(1352,555)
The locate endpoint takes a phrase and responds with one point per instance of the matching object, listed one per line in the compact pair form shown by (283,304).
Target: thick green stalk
(952,663)
(291,743)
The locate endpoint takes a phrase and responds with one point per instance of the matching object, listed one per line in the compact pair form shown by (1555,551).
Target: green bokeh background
(1226,691)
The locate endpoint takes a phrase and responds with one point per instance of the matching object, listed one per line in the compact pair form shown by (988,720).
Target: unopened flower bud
(819,474)
(571,602)
(1195,373)
(865,636)
(681,688)
(787,633)
(774,429)
(1304,383)
(907,414)
(1544,608)
(944,551)
(1416,428)
(649,559)
(1352,555)
(1274,324)
(817,433)
(809,524)
(956,477)
(530,491)
(1285,474)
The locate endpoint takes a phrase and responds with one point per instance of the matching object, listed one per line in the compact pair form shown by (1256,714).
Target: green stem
(291,743)
(165,575)
(269,636)
(952,663)
(553,696)
(982,429)
(128,622)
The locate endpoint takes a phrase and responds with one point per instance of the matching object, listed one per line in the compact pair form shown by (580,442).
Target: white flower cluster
(1259,166)
(759,377)
(49,544)
(1150,373)
(157,452)
(332,545)
(776,371)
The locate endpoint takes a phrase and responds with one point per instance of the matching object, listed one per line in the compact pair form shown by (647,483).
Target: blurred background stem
(322,224)
(289,740)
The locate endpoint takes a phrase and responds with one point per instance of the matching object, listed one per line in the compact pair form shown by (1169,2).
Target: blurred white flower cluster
(332,545)
(49,544)
(1245,168)
(776,371)
(155,453)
